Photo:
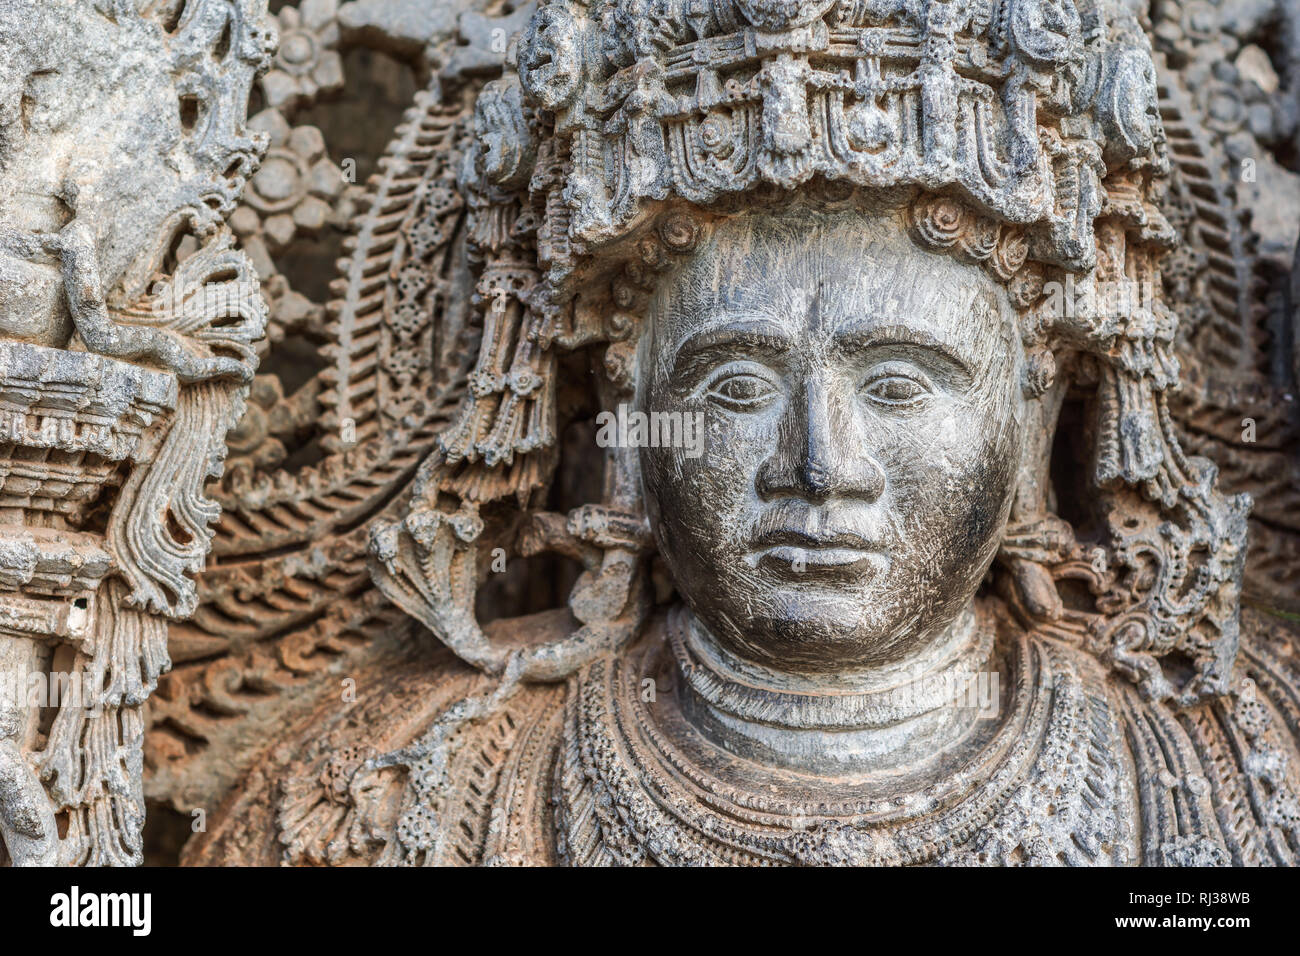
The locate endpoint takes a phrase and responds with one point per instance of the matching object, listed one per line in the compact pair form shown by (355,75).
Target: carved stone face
(862,411)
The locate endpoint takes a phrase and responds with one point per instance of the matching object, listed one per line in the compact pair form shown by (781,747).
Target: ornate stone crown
(1020,106)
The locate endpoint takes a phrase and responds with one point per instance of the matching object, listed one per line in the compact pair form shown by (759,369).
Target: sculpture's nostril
(817,478)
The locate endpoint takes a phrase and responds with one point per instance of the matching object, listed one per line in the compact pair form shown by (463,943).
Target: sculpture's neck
(873,719)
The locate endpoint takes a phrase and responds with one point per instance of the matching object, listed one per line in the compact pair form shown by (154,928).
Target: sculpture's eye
(892,386)
(740,391)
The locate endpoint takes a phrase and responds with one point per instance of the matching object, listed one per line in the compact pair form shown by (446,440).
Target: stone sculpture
(959,291)
(128,333)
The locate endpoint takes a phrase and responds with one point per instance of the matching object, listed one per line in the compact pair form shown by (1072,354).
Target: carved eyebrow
(754,338)
(860,340)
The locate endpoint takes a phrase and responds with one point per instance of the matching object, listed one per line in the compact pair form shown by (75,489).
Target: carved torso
(1076,769)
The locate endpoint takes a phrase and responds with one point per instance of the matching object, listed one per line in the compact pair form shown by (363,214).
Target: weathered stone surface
(952,290)
(128,332)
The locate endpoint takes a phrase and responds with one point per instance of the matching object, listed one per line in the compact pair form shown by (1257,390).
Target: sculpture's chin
(814,629)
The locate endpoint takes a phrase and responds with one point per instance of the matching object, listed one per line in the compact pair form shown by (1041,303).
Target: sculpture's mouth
(797,551)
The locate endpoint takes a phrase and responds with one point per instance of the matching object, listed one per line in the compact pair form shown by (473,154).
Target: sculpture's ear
(1035,538)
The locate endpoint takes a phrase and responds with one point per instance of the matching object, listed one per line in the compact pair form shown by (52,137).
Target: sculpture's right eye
(741,391)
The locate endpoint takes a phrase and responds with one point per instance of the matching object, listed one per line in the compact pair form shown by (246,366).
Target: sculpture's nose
(819,453)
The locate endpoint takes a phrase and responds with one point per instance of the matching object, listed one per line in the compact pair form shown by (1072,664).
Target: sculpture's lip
(823,557)
(822,540)
(800,550)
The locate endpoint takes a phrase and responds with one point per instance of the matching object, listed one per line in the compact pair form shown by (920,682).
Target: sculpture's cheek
(950,482)
(953,522)
(702,504)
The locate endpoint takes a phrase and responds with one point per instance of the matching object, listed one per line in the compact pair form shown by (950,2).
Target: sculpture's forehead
(826,277)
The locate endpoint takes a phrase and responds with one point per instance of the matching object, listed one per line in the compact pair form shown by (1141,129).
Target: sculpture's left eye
(892,386)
